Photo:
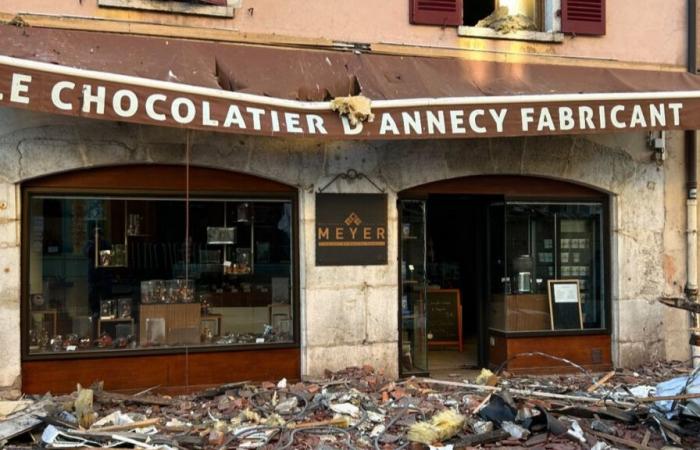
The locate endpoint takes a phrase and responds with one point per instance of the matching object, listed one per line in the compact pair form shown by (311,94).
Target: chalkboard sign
(444,310)
(565,304)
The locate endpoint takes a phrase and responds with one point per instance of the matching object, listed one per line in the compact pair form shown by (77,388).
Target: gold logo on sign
(353,219)
(351,235)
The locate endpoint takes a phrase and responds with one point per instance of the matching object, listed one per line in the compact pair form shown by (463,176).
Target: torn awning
(277,91)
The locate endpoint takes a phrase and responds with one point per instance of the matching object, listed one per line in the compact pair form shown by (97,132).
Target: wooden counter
(520,312)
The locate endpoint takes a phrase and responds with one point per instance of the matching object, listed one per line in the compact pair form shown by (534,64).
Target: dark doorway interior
(474,11)
(457,258)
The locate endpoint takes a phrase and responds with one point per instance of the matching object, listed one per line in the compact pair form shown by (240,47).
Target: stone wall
(349,314)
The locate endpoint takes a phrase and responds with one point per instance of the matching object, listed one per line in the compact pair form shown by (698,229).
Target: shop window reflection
(546,242)
(112,273)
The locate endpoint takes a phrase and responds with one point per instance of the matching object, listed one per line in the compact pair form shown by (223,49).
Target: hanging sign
(351,229)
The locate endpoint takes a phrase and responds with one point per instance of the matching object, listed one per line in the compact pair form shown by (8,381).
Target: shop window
(548,273)
(217,8)
(109,273)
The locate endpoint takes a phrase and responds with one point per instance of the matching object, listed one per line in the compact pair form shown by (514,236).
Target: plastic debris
(678,387)
(515,431)
(347,409)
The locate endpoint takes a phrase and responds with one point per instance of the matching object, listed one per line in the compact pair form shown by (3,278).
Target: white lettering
(436,122)
(566,118)
(207,121)
(412,123)
(457,121)
(291,121)
(275,120)
(190,110)
(234,116)
(546,120)
(526,118)
(388,124)
(349,130)
(613,116)
(19,86)
(257,114)
(499,117)
(97,99)
(585,117)
(315,122)
(131,109)
(601,115)
(658,115)
(637,117)
(676,108)
(56,95)
(472,121)
(150,104)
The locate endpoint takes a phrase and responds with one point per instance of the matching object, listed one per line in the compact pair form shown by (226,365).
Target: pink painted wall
(648,31)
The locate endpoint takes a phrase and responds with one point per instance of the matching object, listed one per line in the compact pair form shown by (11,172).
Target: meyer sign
(60,90)
(351,229)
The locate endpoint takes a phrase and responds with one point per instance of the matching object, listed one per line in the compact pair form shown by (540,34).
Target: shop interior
(478,267)
(117,273)
(456,257)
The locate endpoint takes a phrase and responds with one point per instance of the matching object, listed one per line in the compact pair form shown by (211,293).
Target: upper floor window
(217,8)
(513,18)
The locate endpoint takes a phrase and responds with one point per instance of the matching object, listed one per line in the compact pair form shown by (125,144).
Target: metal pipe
(691,287)
(691,155)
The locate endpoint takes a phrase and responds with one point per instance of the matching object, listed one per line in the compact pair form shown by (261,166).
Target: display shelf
(101,322)
(53,314)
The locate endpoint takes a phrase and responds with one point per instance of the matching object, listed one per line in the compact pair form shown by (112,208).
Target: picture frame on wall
(565,304)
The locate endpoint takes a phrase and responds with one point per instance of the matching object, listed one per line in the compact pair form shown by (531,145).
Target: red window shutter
(436,12)
(583,16)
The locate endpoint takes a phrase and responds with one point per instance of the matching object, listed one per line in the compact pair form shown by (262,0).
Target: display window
(112,273)
(547,267)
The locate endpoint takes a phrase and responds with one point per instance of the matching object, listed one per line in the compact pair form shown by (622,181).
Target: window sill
(488,33)
(549,333)
(155,351)
(174,7)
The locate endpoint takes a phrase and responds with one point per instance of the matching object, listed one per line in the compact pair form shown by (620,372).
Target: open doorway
(445,282)
(456,268)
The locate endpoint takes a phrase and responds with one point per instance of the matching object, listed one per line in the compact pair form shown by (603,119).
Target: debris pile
(359,408)
(502,21)
(356,108)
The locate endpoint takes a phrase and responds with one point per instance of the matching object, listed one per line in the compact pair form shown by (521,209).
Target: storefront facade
(99,281)
(350,314)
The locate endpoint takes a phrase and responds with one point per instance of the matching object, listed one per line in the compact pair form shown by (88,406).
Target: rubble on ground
(359,408)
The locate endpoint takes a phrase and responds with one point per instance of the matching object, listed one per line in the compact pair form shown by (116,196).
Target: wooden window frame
(145,180)
(533,189)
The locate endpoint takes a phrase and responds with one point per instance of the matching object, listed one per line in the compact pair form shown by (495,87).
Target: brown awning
(287,91)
